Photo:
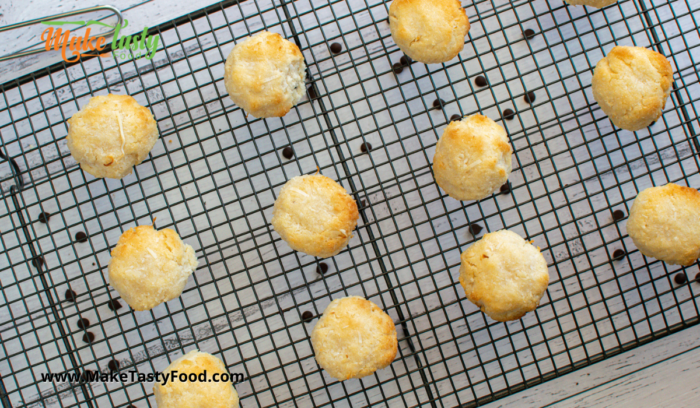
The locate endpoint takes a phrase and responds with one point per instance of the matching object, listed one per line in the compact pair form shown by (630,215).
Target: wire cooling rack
(214,174)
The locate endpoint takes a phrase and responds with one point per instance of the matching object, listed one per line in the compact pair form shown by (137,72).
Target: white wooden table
(663,373)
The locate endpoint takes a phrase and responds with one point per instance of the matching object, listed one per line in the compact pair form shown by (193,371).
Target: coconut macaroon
(504,275)
(315,215)
(592,3)
(631,85)
(110,135)
(664,223)
(472,158)
(188,394)
(149,267)
(428,31)
(264,75)
(354,338)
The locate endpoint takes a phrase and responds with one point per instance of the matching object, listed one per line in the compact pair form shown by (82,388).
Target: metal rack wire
(214,174)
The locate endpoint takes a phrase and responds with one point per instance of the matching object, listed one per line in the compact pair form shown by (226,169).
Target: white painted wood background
(662,373)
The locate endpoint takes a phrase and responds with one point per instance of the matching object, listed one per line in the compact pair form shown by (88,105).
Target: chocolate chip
(80,237)
(70,295)
(618,215)
(480,81)
(336,48)
(83,323)
(505,189)
(397,67)
(680,278)
(44,217)
(530,97)
(114,304)
(89,337)
(405,60)
(113,365)
(651,124)
(322,268)
(288,152)
(312,92)
(438,103)
(455,118)
(529,33)
(363,203)
(697,277)
(307,316)
(475,229)
(618,254)
(365,147)
(38,261)
(508,114)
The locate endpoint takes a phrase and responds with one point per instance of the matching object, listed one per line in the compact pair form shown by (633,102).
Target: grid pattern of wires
(214,175)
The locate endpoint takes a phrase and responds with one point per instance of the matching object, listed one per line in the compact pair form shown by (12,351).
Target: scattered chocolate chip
(680,278)
(508,114)
(80,237)
(44,217)
(480,81)
(336,48)
(697,277)
(89,337)
(405,60)
(397,67)
(38,261)
(618,215)
(113,365)
(455,118)
(475,229)
(438,103)
(529,33)
(365,147)
(114,304)
(312,92)
(83,323)
(322,268)
(288,152)
(505,189)
(618,254)
(363,203)
(71,295)
(530,97)
(307,316)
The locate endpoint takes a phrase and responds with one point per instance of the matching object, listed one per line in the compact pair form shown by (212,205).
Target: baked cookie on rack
(354,338)
(149,267)
(110,135)
(504,275)
(631,85)
(315,215)
(428,31)
(186,394)
(663,224)
(592,3)
(472,158)
(264,75)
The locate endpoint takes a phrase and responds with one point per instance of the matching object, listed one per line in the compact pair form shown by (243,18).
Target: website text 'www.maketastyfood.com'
(135,376)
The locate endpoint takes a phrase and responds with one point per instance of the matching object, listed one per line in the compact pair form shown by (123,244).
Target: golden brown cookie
(264,75)
(110,135)
(149,267)
(664,223)
(504,275)
(631,85)
(354,338)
